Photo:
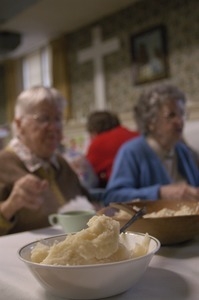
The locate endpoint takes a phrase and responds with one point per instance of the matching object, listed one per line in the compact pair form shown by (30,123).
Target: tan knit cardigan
(67,182)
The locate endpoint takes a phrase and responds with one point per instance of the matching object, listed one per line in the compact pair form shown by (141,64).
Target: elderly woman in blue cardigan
(158,164)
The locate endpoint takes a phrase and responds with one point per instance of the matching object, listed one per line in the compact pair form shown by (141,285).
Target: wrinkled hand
(26,193)
(179,192)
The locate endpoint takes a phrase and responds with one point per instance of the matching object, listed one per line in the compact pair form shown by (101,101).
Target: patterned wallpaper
(181,18)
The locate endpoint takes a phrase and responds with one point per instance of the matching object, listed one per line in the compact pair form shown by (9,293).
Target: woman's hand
(179,192)
(26,193)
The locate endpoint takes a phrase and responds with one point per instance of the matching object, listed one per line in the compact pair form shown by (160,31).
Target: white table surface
(173,272)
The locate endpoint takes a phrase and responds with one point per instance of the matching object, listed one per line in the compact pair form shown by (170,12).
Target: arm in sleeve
(5,226)
(125,182)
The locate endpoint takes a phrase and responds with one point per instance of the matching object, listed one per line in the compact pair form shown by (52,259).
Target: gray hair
(149,103)
(30,98)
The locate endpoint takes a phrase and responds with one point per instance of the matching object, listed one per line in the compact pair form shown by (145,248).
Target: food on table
(99,243)
(184,210)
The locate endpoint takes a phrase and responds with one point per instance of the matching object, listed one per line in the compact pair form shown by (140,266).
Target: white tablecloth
(172,274)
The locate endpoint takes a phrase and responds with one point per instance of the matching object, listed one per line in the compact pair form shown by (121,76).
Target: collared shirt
(31,161)
(168,158)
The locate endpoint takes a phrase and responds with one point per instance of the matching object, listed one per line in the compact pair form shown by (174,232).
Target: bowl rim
(99,265)
(172,217)
(160,204)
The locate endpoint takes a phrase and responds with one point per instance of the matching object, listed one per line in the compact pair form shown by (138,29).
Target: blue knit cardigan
(138,172)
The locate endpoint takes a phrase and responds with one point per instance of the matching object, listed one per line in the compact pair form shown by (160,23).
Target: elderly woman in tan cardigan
(34,179)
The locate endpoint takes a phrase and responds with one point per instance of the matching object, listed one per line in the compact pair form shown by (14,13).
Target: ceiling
(39,21)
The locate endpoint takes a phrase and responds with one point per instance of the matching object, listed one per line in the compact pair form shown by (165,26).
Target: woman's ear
(16,127)
(152,125)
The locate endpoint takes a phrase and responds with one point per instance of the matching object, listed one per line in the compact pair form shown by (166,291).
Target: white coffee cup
(71,221)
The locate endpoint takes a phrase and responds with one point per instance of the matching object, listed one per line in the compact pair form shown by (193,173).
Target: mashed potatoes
(184,210)
(99,243)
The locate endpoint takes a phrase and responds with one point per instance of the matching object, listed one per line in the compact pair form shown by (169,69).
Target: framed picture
(149,55)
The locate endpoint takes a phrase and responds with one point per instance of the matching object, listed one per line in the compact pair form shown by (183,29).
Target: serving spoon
(136,216)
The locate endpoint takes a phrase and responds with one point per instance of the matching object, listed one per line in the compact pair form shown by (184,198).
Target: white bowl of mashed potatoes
(94,263)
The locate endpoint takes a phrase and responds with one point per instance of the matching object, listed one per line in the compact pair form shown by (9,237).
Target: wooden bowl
(168,230)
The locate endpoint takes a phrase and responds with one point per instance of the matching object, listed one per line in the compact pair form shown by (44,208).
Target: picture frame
(149,50)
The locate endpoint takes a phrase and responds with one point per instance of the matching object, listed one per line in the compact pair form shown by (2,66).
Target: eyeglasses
(175,115)
(45,120)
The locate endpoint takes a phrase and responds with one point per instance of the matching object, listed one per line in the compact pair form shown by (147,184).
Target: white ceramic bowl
(90,281)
